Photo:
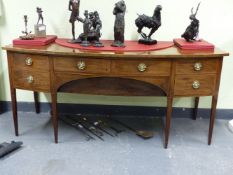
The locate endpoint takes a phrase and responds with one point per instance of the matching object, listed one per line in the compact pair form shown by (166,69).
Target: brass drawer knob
(81,65)
(142,67)
(28,61)
(196,84)
(197,66)
(30,79)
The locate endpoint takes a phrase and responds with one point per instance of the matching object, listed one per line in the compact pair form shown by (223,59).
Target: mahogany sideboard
(169,72)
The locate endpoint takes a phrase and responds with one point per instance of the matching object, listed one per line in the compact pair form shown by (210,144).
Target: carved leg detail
(54,116)
(212,118)
(36,101)
(168,120)
(196,108)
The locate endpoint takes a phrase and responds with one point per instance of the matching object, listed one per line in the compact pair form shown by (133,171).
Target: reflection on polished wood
(170,72)
(172,52)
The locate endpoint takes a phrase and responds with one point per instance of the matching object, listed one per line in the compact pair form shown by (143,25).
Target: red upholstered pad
(36,42)
(131,46)
(196,45)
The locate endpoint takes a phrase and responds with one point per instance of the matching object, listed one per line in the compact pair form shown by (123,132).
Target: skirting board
(5,106)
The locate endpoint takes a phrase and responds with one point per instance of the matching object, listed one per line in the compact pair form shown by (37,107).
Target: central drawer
(81,65)
(141,67)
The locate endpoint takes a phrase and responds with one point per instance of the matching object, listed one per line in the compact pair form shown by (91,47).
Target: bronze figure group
(40,28)
(92,25)
(91,30)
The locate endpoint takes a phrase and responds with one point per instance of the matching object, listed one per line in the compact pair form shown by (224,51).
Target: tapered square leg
(212,118)
(54,116)
(13,93)
(168,121)
(196,108)
(14,110)
(36,102)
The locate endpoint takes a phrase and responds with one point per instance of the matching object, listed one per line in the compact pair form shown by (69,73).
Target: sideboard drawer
(84,65)
(141,67)
(196,85)
(30,61)
(32,80)
(195,66)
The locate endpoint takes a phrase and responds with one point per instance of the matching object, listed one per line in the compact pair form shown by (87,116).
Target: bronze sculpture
(86,28)
(74,8)
(40,29)
(40,16)
(97,25)
(152,23)
(91,30)
(28,35)
(191,32)
(119,26)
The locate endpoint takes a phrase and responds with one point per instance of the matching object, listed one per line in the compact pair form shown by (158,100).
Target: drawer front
(141,67)
(84,65)
(30,62)
(196,66)
(195,85)
(37,81)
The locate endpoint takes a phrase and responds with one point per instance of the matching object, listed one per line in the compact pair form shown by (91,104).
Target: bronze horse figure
(152,23)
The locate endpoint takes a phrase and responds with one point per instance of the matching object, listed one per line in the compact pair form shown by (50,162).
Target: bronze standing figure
(192,31)
(40,28)
(40,16)
(74,8)
(119,26)
(97,26)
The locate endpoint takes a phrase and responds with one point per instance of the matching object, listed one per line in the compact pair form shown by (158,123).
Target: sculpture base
(92,37)
(73,41)
(27,37)
(195,45)
(130,46)
(40,30)
(98,44)
(85,43)
(117,44)
(147,41)
(35,41)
